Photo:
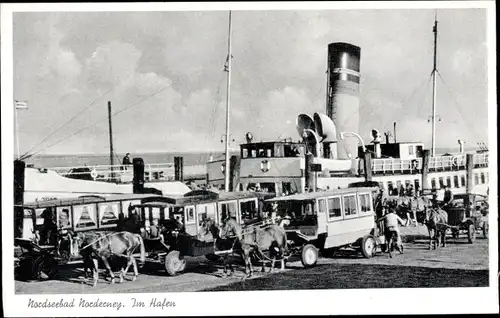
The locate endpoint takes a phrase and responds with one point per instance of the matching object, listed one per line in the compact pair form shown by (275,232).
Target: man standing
(448,196)
(126,161)
(391,226)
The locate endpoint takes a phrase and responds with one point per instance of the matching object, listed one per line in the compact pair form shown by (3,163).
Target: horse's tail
(142,248)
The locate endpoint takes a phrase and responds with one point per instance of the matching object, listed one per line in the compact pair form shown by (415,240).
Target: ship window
(483,178)
(433,183)
(448,181)
(390,187)
(455,182)
(441,182)
(334,209)
(350,208)
(269,153)
(245,153)
(254,153)
(476,178)
(411,150)
(268,187)
(462,180)
(417,185)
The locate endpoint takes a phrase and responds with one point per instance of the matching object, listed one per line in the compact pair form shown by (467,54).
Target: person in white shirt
(391,225)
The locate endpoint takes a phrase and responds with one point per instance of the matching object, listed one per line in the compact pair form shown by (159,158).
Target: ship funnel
(342,100)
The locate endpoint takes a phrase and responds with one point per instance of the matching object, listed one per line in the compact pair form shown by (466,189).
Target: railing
(396,165)
(441,163)
(118,173)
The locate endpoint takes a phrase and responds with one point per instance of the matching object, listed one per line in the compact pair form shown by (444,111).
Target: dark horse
(271,238)
(95,246)
(437,224)
(222,244)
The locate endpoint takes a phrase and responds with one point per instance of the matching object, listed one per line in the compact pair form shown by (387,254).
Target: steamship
(331,154)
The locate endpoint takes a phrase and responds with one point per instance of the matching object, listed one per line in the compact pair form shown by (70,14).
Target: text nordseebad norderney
(97,303)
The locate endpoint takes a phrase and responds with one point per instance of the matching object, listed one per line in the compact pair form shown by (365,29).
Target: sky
(163,71)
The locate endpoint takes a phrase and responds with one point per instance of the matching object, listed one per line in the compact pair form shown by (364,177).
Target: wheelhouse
(79,214)
(333,218)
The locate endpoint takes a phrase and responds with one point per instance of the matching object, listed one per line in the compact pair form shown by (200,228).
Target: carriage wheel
(309,255)
(369,246)
(485,230)
(471,233)
(44,267)
(174,263)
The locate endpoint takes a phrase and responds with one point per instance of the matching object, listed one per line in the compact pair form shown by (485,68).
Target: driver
(391,220)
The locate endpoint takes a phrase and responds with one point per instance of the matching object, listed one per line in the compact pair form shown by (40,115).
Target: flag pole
(16,131)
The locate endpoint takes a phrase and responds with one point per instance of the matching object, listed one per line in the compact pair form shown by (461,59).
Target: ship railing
(446,163)
(480,160)
(394,165)
(118,173)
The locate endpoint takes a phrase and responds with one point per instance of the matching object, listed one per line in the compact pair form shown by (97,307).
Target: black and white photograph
(249,158)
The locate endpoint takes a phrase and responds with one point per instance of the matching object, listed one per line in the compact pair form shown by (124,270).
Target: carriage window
(248,210)
(189,215)
(334,209)
(462,180)
(64,217)
(365,203)
(433,183)
(476,178)
(227,209)
(108,213)
(483,178)
(321,206)
(84,216)
(350,205)
(202,212)
(455,182)
(127,204)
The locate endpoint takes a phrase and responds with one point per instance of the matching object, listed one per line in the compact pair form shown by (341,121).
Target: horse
(410,205)
(94,246)
(222,244)
(271,238)
(437,224)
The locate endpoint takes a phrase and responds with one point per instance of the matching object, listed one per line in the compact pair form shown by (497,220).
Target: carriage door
(321,215)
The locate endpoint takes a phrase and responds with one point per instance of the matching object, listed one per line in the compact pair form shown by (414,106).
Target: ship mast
(434,86)
(228,99)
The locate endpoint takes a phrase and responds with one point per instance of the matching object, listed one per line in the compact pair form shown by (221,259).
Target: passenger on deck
(126,161)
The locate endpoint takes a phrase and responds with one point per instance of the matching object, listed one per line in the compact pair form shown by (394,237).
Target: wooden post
(368,166)
(138,182)
(469,164)
(178,169)
(19,167)
(425,170)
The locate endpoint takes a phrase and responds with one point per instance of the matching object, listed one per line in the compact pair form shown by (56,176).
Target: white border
(443,300)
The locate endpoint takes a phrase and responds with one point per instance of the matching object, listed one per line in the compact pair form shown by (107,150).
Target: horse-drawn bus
(48,226)
(328,220)
(181,219)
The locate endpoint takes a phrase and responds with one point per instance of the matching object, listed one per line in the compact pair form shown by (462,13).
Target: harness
(109,245)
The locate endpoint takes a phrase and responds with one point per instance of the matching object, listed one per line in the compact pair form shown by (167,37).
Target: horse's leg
(96,270)
(430,237)
(134,264)
(106,264)
(443,238)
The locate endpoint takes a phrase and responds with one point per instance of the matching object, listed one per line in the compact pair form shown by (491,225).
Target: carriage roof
(85,199)
(320,194)
(201,196)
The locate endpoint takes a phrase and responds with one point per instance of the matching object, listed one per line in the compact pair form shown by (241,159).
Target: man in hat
(126,161)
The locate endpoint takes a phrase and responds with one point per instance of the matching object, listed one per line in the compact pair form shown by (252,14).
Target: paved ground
(458,265)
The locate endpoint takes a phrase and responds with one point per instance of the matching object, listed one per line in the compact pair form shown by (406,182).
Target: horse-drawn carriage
(468,213)
(181,223)
(327,221)
(48,230)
